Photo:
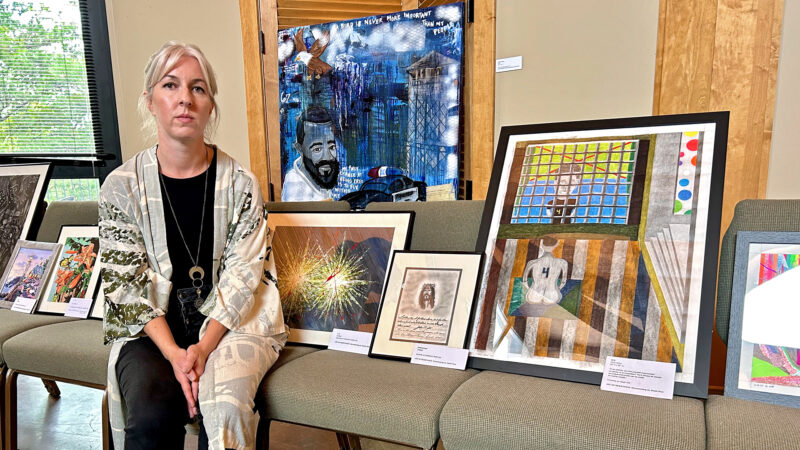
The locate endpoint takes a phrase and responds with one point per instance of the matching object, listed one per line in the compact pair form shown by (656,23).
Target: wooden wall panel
(722,55)
(479,97)
(254,93)
(718,55)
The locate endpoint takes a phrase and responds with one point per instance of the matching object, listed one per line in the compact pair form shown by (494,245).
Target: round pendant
(196,273)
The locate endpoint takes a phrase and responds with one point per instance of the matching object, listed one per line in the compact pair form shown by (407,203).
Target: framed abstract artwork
(427,299)
(27,271)
(331,268)
(74,274)
(601,240)
(370,107)
(764,344)
(22,189)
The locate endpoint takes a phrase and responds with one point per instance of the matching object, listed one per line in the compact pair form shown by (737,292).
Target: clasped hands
(188,365)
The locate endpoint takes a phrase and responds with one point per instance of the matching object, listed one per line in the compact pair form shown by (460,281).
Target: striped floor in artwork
(618,313)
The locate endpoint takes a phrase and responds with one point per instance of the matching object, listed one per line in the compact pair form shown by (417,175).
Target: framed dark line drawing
(427,299)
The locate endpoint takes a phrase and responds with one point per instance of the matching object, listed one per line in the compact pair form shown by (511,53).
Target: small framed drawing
(332,267)
(427,299)
(764,343)
(22,189)
(27,271)
(74,274)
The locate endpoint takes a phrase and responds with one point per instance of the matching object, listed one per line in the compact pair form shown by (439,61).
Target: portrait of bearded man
(316,171)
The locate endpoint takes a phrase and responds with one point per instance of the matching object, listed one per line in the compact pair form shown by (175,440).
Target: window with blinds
(56,89)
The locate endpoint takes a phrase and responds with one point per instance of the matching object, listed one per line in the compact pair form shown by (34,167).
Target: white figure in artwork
(548,275)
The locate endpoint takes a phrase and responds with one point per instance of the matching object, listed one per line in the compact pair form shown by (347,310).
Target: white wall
(784,159)
(582,59)
(138,28)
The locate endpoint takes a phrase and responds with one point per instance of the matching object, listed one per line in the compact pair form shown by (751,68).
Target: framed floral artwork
(74,274)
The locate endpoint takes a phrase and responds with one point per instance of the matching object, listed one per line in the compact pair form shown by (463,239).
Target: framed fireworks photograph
(74,274)
(427,299)
(601,239)
(22,189)
(331,268)
(27,271)
(763,344)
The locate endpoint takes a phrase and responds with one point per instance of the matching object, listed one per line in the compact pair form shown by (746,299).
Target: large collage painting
(369,107)
(596,235)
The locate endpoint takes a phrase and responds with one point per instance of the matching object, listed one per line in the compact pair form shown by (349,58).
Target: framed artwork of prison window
(426,300)
(601,240)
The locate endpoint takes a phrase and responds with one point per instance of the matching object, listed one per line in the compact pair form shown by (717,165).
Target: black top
(186,196)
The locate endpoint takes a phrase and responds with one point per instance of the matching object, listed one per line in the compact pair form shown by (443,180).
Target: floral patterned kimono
(244,298)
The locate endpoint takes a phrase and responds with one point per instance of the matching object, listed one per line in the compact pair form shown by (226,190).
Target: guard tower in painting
(433,124)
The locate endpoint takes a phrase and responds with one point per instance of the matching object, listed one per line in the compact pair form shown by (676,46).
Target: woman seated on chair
(191,307)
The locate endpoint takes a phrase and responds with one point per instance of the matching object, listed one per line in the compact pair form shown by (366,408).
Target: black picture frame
(694,384)
(466,299)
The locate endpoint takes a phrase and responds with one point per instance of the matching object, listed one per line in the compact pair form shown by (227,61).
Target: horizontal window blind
(293,13)
(45,105)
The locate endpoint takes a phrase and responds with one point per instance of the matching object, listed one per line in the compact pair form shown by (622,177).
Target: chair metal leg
(106,423)
(52,388)
(11,410)
(2,406)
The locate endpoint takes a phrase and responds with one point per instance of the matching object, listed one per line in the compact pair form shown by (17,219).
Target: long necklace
(196,273)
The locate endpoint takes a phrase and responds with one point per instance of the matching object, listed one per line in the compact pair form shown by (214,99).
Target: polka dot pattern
(687,168)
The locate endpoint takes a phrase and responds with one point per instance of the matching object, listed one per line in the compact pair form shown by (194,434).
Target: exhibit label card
(638,377)
(440,356)
(78,307)
(508,64)
(350,341)
(23,305)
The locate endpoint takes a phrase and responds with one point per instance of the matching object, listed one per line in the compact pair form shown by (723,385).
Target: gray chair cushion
(500,410)
(307,206)
(387,400)
(13,323)
(71,350)
(288,354)
(749,215)
(65,213)
(740,424)
(440,226)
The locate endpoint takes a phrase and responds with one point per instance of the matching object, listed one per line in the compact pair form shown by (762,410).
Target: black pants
(154,399)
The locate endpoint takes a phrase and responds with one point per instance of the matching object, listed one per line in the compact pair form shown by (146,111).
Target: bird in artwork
(310,58)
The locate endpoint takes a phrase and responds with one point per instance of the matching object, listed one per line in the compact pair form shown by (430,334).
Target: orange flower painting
(74,268)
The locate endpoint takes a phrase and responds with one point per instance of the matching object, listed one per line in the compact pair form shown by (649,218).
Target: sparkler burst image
(331,277)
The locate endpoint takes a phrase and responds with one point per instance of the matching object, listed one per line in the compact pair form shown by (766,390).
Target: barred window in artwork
(586,182)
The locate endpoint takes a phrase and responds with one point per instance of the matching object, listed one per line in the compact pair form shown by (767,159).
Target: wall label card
(639,377)
(79,307)
(350,341)
(23,305)
(440,356)
(508,64)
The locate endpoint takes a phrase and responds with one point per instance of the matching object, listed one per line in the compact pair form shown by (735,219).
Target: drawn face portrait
(320,155)
(427,296)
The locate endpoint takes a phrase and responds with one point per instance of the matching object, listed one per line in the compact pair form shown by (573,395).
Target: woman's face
(181,103)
